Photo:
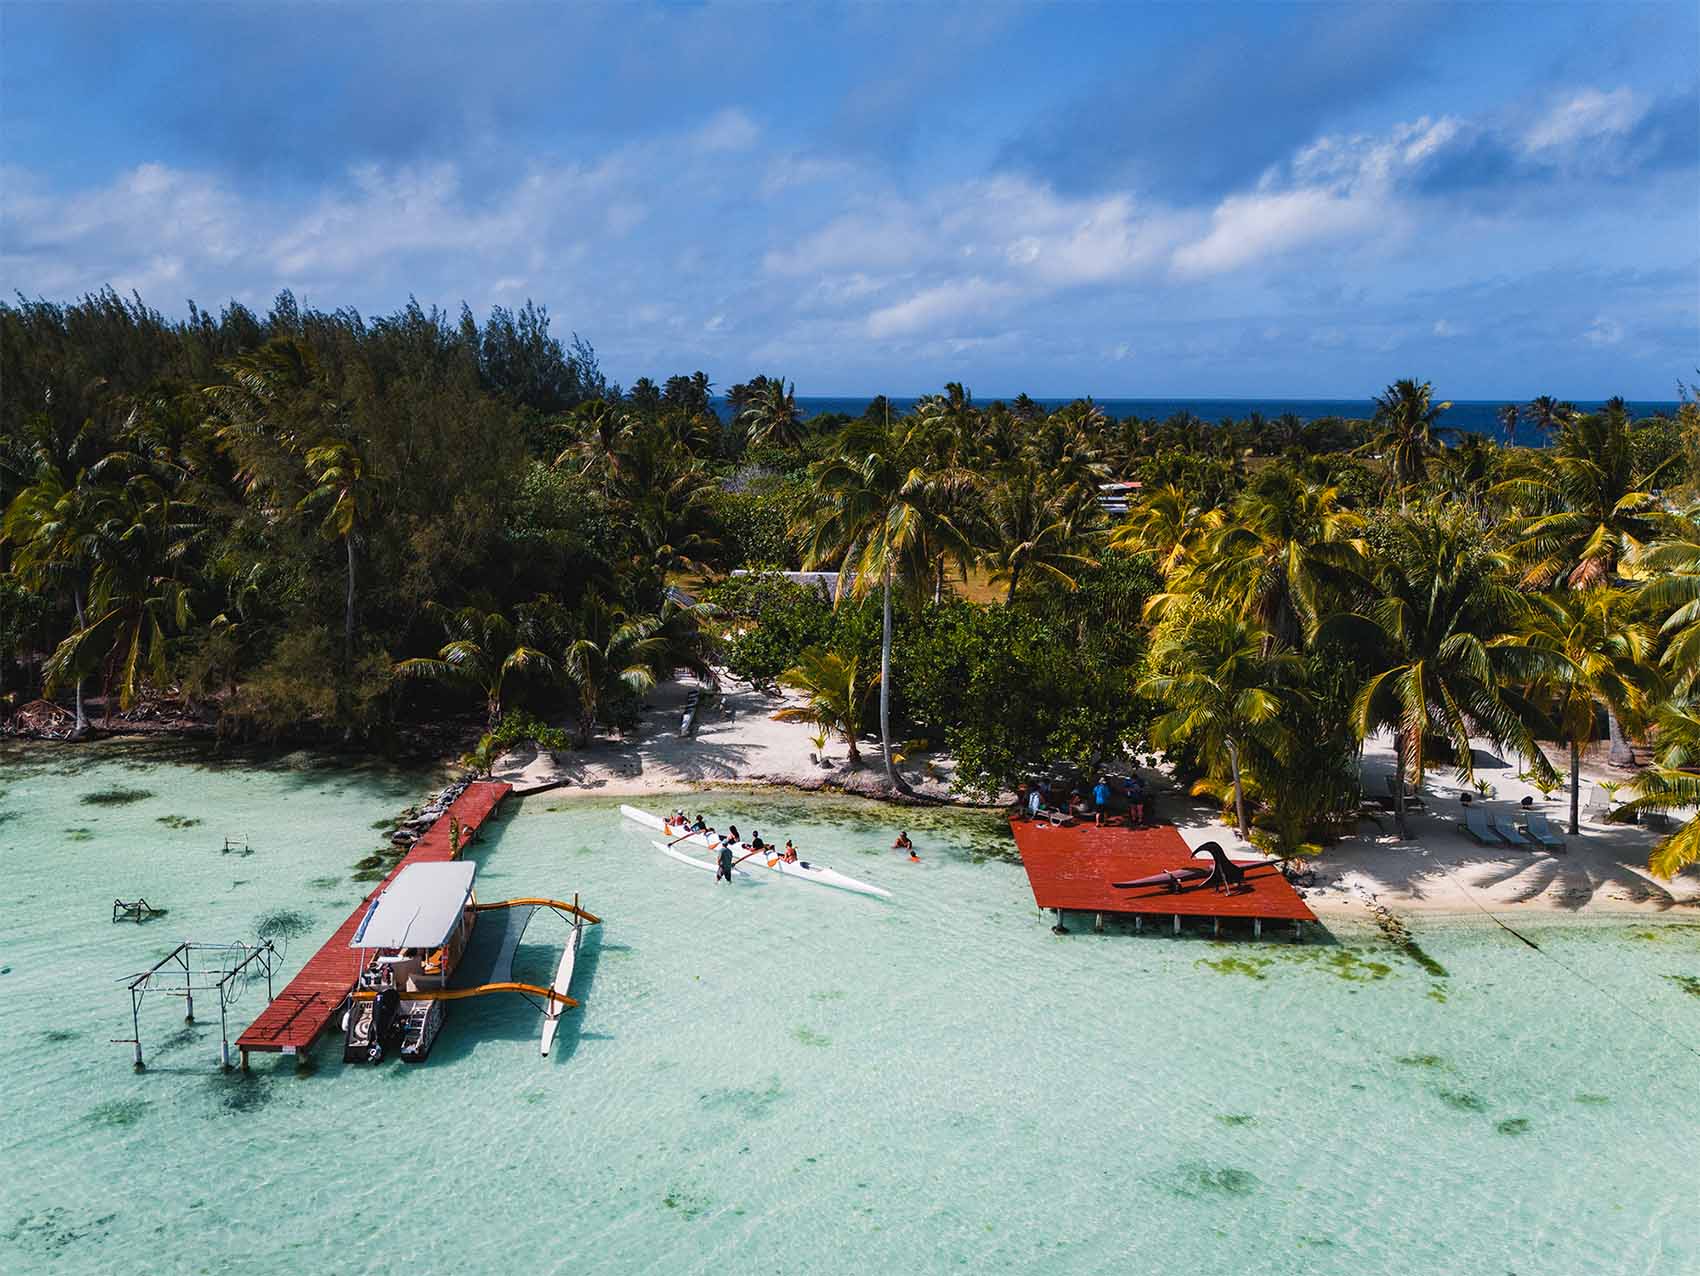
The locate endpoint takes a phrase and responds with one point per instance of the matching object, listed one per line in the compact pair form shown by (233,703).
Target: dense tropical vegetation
(312,524)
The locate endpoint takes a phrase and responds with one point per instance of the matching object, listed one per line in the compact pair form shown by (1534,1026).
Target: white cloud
(1249,229)
(1586,115)
(943,303)
(1446,328)
(728,130)
(1603,331)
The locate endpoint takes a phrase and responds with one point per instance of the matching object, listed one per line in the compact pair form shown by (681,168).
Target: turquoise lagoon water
(782,1078)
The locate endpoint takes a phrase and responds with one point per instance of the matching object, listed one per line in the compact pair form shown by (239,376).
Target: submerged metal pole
(188,988)
(136,1026)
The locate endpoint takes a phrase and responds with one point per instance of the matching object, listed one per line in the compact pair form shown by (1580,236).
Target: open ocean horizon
(1479,416)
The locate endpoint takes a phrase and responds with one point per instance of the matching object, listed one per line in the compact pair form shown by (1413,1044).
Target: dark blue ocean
(1478,416)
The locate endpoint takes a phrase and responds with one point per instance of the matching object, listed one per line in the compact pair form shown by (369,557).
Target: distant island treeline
(1478,416)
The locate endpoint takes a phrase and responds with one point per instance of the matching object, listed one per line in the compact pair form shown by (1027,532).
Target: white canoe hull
(563,983)
(707,865)
(802,872)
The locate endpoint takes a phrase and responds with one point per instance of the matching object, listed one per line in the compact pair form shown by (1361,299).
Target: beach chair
(1537,827)
(1478,830)
(1514,836)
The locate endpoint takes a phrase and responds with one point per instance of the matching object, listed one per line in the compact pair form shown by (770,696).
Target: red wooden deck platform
(302,1011)
(1071,868)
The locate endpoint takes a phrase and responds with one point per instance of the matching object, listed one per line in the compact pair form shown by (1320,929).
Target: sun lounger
(1478,830)
(1513,835)
(1538,828)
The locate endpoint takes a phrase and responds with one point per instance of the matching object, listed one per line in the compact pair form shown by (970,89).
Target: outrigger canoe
(562,985)
(801,870)
(709,865)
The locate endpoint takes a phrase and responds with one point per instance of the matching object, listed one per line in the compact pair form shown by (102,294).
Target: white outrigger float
(768,858)
(428,949)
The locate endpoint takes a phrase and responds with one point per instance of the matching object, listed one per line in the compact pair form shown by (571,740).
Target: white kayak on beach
(769,858)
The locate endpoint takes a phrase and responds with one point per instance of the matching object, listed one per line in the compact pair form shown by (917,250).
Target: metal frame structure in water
(184,971)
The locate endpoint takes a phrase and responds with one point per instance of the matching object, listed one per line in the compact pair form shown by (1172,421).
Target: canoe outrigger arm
(457,994)
(503,963)
(540,902)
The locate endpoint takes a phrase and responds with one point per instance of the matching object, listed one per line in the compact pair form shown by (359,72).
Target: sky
(1209,199)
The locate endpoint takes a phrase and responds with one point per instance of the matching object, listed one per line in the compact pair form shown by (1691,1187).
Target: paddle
(760,850)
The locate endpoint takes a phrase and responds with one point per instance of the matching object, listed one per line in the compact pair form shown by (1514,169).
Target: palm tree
(874,518)
(1224,683)
(1274,555)
(1672,783)
(1593,509)
(1406,413)
(338,474)
(1166,522)
(1585,651)
(1508,416)
(601,430)
(837,697)
(1548,414)
(1466,469)
(483,650)
(773,416)
(1670,590)
(48,523)
(1024,528)
(1432,638)
(614,654)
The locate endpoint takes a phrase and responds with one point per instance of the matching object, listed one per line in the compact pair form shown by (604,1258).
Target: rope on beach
(1599,988)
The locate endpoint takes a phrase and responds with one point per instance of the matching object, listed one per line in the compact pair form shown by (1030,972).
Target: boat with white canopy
(429,946)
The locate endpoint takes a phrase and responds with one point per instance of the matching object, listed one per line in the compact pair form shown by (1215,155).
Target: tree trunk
(1575,789)
(1014,576)
(1621,754)
(1239,793)
(81,728)
(885,689)
(1399,785)
(348,610)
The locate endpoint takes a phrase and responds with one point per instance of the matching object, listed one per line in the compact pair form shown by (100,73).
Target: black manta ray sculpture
(1223,874)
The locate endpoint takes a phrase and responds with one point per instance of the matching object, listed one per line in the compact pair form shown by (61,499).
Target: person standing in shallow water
(724,866)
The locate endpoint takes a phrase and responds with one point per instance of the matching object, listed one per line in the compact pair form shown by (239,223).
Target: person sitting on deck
(1077,804)
(1100,800)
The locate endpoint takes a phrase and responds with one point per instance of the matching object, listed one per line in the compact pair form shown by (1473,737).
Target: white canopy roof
(419,909)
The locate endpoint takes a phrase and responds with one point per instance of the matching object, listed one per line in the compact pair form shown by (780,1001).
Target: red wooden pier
(301,1012)
(1070,869)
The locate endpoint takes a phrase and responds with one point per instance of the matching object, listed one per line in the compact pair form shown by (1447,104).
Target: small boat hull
(801,870)
(563,985)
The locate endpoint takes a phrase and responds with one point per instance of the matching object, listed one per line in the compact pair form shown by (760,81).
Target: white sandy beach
(1439,870)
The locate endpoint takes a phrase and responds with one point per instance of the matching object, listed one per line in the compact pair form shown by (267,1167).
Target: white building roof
(419,909)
